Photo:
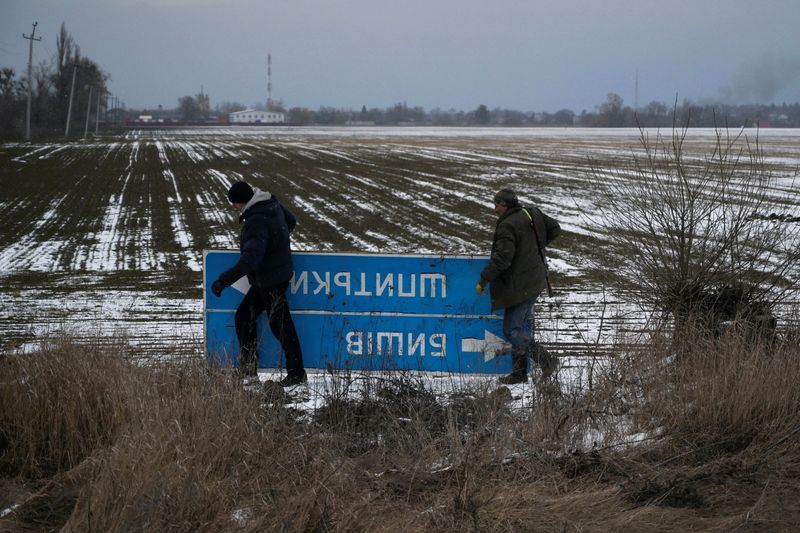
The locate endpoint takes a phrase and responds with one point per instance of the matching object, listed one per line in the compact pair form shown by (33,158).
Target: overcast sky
(529,55)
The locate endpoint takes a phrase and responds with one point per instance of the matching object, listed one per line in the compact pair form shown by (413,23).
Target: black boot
(248,364)
(519,369)
(293,379)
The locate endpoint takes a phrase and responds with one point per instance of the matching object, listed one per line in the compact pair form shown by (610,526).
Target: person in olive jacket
(266,260)
(516,275)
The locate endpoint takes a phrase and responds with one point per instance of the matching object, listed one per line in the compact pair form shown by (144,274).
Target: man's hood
(258,196)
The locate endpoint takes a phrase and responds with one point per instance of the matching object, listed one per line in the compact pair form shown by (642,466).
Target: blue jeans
(518,330)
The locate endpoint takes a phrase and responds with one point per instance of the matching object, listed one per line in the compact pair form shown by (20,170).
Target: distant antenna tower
(269,81)
(636,92)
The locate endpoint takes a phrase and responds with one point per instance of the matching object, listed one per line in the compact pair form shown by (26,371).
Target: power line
(49,45)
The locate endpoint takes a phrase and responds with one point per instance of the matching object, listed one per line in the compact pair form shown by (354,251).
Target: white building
(251,116)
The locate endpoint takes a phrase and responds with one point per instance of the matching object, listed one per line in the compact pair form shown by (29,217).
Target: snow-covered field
(103,239)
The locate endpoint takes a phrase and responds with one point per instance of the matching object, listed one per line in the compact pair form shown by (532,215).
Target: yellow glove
(479,289)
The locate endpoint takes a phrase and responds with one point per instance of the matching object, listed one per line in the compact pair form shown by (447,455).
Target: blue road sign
(370,312)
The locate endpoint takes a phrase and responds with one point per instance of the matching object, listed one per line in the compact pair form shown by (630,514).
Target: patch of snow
(8,511)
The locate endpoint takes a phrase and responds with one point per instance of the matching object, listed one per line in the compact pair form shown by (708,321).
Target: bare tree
(188,108)
(698,236)
(612,112)
(203,104)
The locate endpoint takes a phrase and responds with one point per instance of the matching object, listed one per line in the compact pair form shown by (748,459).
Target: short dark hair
(506,197)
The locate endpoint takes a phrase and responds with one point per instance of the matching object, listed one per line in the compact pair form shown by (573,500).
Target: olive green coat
(516,272)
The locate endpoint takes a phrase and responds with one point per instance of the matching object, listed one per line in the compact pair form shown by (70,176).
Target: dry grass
(728,395)
(93,443)
(59,407)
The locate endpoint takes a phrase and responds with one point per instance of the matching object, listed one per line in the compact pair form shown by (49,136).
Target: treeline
(613,113)
(68,88)
(610,114)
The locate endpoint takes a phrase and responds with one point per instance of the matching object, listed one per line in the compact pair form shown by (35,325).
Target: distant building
(252,116)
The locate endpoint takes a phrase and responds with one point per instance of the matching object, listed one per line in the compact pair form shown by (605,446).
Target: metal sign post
(369,312)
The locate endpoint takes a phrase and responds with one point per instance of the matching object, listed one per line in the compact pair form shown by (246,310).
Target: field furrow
(106,236)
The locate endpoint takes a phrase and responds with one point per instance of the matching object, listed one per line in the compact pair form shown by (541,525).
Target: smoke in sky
(762,82)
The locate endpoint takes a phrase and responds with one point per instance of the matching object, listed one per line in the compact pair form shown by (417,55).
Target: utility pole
(71,92)
(88,112)
(97,114)
(30,79)
(269,81)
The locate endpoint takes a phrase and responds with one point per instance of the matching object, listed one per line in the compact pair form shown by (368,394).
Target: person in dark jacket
(516,275)
(266,260)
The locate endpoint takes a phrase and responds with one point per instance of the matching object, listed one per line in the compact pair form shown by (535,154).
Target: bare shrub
(394,411)
(693,234)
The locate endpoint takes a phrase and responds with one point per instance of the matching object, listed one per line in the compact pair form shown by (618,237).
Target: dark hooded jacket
(266,257)
(516,272)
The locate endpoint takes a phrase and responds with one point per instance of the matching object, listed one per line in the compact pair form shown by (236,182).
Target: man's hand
(216,288)
(479,289)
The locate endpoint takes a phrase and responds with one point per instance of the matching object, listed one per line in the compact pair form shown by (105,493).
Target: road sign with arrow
(370,312)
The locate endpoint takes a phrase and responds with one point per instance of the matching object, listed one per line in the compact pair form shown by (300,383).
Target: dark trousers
(270,300)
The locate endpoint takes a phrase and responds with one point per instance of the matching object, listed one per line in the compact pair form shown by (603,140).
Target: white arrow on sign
(242,285)
(491,345)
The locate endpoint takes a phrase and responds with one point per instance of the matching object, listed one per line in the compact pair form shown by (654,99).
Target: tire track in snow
(105,256)
(179,228)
